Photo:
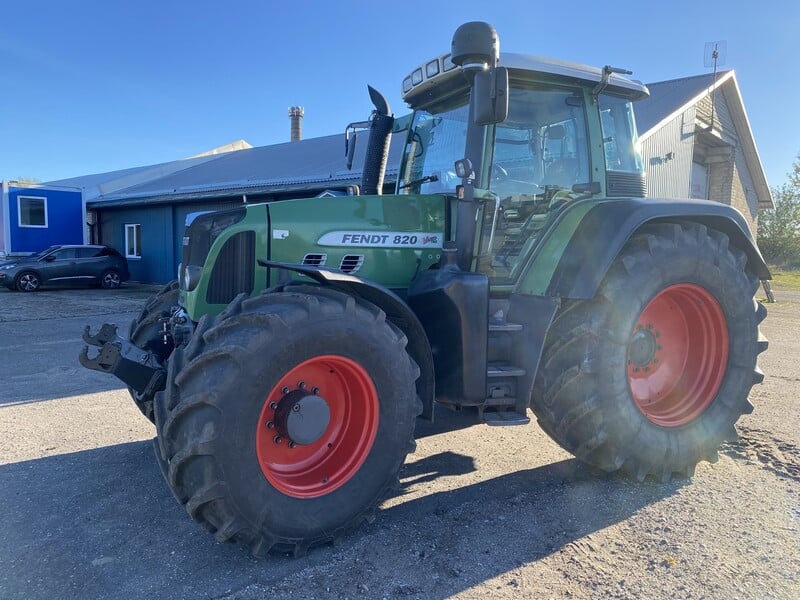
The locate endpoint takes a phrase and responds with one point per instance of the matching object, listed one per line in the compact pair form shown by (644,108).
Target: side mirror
(350,133)
(491,96)
(350,148)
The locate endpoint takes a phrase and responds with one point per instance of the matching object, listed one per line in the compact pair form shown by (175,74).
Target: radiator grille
(234,269)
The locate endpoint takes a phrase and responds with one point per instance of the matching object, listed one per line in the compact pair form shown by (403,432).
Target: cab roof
(442,75)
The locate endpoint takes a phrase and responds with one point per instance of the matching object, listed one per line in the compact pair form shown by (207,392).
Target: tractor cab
(566,135)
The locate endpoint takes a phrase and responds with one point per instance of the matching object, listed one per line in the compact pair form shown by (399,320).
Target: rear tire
(110,280)
(28,282)
(220,415)
(145,333)
(650,376)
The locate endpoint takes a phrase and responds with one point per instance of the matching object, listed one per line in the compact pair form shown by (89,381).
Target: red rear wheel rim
(322,466)
(677,355)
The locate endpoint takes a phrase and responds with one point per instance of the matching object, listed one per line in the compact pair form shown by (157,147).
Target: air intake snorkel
(380,134)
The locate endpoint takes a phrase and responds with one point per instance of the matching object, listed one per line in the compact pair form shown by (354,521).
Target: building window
(133,240)
(698,182)
(32,211)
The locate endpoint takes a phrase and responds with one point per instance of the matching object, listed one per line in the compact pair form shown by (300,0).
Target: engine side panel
(385,239)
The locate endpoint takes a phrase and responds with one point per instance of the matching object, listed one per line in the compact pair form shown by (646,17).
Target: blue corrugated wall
(64,220)
(157,255)
(162,235)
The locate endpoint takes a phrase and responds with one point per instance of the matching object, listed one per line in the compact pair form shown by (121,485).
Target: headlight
(191,277)
(7,267)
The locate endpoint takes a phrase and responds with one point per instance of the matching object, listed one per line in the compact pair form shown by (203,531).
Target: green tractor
(518,268)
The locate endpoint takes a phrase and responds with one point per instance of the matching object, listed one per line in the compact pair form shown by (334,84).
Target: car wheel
(110,280)
(28,282)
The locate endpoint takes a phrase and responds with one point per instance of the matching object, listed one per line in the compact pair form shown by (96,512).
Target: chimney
(296,115)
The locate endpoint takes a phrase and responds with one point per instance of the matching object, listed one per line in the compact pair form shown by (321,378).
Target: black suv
(65,265)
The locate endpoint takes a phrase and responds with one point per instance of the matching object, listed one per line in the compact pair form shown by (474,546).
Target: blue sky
(91,86)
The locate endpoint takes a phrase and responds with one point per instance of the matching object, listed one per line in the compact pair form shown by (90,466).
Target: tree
(779,227)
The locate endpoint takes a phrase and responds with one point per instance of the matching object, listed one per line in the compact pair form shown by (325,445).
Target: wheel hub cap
(642,348)
(301,417)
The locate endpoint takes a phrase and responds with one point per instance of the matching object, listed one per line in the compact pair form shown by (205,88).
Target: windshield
(436,143)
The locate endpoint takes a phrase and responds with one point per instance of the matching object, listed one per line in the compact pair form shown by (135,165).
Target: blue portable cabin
(34,217)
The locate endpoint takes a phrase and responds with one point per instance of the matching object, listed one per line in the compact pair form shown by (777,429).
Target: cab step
(504,326)
(504,370)
(505,418)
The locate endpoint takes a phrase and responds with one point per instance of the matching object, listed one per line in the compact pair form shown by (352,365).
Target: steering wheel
(499,172)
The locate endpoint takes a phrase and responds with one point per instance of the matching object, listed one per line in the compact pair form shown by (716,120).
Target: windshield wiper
(420,181)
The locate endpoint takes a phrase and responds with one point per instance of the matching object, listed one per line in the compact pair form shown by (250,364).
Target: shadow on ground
(102,523)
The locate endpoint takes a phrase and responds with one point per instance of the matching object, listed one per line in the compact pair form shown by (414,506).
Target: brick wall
(729,183)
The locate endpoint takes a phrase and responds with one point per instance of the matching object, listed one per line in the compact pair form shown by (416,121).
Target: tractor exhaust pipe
(380,134)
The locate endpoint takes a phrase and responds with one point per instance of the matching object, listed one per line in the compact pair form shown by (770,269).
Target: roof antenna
(713,56)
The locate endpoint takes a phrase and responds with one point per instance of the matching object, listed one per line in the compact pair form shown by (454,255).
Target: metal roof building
(305,166)
(141,211)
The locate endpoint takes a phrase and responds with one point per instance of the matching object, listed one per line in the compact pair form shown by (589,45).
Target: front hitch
(138,369)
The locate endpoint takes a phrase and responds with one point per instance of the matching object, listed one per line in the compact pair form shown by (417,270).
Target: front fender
(397,311)
(591,244)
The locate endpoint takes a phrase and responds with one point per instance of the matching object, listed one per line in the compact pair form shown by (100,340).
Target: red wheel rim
(320,467)
(677,355)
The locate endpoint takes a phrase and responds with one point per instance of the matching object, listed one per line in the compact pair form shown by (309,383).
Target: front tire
(650,376)
(28,282)
(227,442)
(145,332)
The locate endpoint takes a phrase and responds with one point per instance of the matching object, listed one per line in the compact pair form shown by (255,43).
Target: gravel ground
(482,512)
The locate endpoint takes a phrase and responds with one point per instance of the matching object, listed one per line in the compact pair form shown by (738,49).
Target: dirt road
(483,512)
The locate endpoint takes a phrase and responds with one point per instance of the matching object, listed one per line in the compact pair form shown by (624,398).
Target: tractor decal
(385,239)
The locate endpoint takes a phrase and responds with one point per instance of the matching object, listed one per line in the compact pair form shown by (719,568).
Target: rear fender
(592,245)
(397,311)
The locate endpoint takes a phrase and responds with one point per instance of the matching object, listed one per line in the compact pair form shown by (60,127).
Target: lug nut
(284,390)
(277,439)
(301,385)
(270,425)
(273,405)
(315,391)
(292,444)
